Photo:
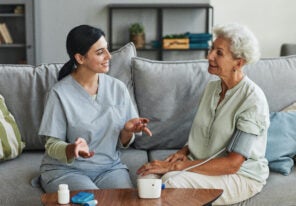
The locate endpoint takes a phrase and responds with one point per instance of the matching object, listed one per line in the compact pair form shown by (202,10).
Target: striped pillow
(10,139)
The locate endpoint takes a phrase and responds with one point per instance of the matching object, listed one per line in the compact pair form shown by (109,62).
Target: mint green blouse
(244,107)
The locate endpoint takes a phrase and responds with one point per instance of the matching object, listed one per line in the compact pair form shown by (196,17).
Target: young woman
(88,114)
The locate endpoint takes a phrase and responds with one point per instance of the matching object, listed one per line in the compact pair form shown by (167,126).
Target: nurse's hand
(137,125)
(78,149)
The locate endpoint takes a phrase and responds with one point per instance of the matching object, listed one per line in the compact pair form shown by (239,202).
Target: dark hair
(79,40)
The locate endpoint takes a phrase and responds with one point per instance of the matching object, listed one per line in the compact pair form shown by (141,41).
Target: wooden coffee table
(129,197)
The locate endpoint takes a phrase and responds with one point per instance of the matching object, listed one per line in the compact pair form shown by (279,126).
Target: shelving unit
(21,28)
(159,20)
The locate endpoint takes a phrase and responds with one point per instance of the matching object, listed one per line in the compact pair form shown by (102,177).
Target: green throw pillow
(10,139)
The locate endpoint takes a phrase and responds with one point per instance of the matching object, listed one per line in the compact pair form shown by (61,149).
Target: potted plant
(137,35)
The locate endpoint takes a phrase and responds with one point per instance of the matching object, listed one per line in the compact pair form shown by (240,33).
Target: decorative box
(175,43)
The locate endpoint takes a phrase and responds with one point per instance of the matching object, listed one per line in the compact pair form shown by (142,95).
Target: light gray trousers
(77,180)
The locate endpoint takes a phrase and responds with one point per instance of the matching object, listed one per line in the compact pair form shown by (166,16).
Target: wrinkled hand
(79,149)
(181,155)
(137,125)
(178,156)
(155,167)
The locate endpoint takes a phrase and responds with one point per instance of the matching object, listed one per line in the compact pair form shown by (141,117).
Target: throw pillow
(281,142)
(120,66)
(167,93)
(291,107)
(10,139)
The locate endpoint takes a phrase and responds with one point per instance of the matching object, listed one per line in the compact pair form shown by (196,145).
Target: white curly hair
(243,43)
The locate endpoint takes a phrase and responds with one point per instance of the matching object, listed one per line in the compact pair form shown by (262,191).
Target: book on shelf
(1,39)
(5,34)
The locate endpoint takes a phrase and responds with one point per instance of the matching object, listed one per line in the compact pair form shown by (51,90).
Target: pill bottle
(63,194)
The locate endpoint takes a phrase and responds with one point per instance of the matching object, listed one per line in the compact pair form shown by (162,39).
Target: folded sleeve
(254,120)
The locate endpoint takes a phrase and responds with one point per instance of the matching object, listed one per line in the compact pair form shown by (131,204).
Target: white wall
(272,21)
(54,19)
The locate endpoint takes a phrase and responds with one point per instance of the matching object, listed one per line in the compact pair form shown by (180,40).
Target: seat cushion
(279,190)
(134,159)
(15,180)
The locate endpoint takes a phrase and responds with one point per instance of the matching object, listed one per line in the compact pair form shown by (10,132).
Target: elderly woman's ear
(241,62)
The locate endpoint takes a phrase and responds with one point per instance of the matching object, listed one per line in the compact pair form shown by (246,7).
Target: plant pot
(138,40)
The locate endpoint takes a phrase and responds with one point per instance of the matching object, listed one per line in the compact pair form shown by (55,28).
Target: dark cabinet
(160,20)
(17,16)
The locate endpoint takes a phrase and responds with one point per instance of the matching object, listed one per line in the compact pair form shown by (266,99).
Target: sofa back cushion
(24,89)
(120,66)
(168,94)
(276,77)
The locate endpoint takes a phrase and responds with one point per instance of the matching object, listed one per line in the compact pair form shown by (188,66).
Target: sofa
(288,49)
(166,92)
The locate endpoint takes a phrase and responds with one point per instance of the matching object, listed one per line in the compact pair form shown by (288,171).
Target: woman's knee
(118,178)
(74,181)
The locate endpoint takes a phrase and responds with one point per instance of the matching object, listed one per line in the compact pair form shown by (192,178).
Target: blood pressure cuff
(242,143)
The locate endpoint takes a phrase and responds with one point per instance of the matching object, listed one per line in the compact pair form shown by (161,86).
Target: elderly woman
(227,142)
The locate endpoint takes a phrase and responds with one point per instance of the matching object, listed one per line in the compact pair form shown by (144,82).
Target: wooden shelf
(11,15)
(150,48)
(12,45)
(18,18)
(158,6)
(158,12)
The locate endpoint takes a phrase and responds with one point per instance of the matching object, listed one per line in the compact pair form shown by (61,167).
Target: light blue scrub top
(71,112)
(244,107)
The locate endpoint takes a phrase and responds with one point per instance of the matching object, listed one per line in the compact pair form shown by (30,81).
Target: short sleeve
(53,122)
